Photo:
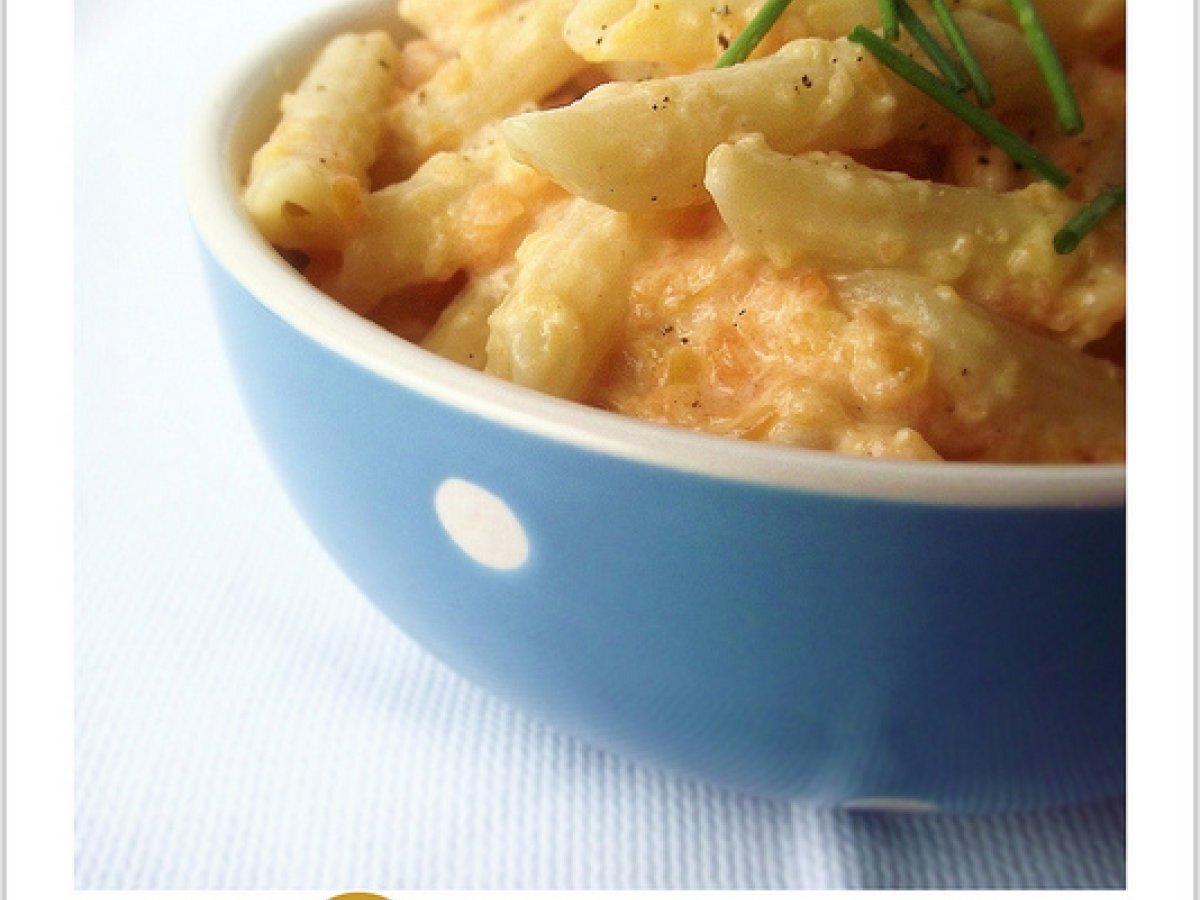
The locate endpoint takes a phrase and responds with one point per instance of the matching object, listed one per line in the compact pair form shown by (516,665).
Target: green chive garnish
(970,63)
(929,44)
(755,30)
(1082,223)
(1070,119)
(933,87)
(890,19)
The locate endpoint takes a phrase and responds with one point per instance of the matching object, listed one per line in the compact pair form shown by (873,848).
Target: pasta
(801,248)
(560,318)
(878,362)
(464,209)
(523,41)
(832,212)
(685,35)
(461,331)
(812,94)
(450,24)
(306,184)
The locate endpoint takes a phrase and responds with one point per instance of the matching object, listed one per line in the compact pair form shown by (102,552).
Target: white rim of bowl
(211,188)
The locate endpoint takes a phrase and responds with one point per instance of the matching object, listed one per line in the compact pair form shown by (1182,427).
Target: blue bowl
(788,623)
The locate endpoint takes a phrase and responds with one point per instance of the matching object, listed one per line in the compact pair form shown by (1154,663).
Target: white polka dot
(481,524)
(890,805)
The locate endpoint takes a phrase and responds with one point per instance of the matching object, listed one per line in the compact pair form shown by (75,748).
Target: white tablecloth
(245,719)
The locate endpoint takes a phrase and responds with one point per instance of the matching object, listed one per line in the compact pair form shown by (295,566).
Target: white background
(231,714)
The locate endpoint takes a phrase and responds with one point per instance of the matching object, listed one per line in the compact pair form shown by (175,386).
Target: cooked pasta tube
(686,35)
(461,331)
(827,211)
(307,182)
(461,210)
(996,391)
(564,311)
(812,94)
(516,56)
(449,23)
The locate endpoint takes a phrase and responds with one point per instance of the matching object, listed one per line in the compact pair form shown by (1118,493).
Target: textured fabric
(246,720)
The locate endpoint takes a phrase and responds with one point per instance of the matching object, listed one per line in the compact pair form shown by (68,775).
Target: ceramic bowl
(789,623)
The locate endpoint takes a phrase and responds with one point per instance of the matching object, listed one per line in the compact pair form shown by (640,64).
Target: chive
(929,44)
(1070,119)
(891,24)
(755,30)
(1082,223)
(929,84)
(970,63)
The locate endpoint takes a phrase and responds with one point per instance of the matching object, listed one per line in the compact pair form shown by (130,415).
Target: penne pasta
(683,34)
(563,313)
(450,24)
(812,94)
(523,42)
(461,331)
(998,392)
(828,212)
(461,210)
(306,186)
